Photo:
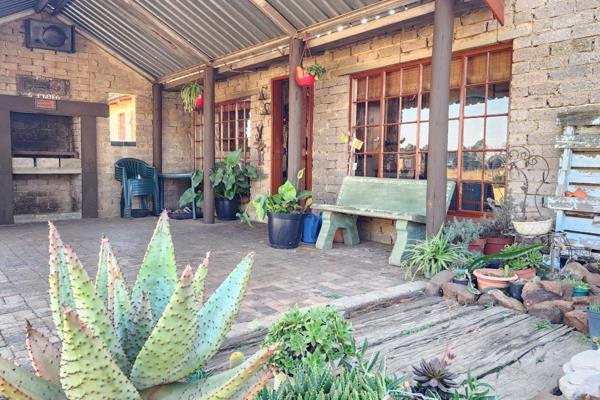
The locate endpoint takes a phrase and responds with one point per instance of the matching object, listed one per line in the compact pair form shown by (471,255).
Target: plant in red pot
(497,229)
(191,96)
(465,232)
(306,77)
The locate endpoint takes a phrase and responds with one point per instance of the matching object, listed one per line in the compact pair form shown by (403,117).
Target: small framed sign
(45,104)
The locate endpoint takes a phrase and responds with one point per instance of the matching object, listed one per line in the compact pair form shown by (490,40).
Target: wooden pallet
(579,169)
(502,347)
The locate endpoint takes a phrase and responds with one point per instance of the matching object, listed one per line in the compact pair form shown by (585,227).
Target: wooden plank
(295,113)
(274,16)
(59,5)
(157,132)
(16,16)
(582,160)
(573,204)
(63,107)
(580,224)
(584,240)
(581,142)
(208,148)
(497,8)
(563,172)
(584,176)
(591,190)
(46,171)
(40,5)
(6,179)
(583,116)
(89,173)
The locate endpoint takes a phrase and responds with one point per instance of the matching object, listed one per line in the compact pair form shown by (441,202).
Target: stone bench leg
(407,232)
(331,223)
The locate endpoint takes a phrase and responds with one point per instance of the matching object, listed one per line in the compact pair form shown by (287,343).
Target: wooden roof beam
(275,16)
(58,6)
(40,5)
(163,29)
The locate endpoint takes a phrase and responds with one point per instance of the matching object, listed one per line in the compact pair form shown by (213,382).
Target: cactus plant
(140,344)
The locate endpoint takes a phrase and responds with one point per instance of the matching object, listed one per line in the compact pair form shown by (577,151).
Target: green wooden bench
(401,200)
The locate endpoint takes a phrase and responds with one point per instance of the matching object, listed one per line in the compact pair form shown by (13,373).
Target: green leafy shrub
(286,201)
(230,178)
(316,70)
(531,259)
(193,194)
(360,380)
(575,283)
(314,337)
(506,255)
(432,255)
(188,95)
(474,390)
(461,232)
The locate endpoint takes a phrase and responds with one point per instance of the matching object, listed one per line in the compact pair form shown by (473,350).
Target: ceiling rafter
(58,6)
(275,16)
(167,32)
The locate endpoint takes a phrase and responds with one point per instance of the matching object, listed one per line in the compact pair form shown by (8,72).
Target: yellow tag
(357,144)
(343,138)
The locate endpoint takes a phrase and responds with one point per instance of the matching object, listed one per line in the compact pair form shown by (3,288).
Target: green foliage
(433,377)
(193,194)
(575,283)
(594,308)
(501,221)
(545,324)
(432,255)
(188,95)
(506,255)
(313,337)
(463,231)
(360,380)
(474,390)
(230,178)
(122,344)
(286,201)
(316,70)
(531,259)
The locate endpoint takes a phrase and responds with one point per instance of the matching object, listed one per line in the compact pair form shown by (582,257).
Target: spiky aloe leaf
(45,357)
(87,369)
(169,342)
(60,288)
(121,308)
(503,256)
(158,274)
(139,327)
(215,387)
(16,383)
(90,309)
(200,277)
(216,316)
(105,257)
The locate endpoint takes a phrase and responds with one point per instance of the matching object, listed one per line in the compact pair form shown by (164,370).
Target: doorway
(280,130)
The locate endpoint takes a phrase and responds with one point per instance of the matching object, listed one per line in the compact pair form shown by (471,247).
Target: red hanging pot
(199,101)
(303,78)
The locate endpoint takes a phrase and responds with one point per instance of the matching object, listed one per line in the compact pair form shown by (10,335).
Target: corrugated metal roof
(303,13)
(8,7)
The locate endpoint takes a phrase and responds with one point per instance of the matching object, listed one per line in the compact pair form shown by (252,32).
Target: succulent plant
(433,377)
(143,344)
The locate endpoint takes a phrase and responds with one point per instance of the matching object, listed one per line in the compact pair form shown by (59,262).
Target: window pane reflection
(496,129)
(475,101)
(409,108)
(407,166)
(452,165)
(408,137)
(472,166)
(473,133)
(372,139)
(471,196)
(498,98)
(390,165)
(423,135)
(453,133)
(391,138)
(495,168)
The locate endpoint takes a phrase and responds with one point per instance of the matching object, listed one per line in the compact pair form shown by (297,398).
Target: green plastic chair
(137,179)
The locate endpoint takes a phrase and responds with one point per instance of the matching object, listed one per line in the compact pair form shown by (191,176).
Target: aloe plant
(139,344)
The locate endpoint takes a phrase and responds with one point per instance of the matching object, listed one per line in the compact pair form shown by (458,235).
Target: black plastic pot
(284,230)
(461,281)
(516,289)
(227,209)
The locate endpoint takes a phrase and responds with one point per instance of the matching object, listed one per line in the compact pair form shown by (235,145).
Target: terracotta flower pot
(495,244)
(477,245)
(489,278)
(303,78)
(526,274)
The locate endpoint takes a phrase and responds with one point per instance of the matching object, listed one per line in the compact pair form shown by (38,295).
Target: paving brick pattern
(280,279)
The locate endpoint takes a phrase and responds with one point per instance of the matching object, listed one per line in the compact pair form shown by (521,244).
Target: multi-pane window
(232,127)
(390,114)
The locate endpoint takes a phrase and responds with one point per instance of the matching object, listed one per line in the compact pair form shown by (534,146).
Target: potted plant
(285,211)
(593,316)
(306,77)
(192,196)
(231,180)
(580,288)
(524,266)
(489,278)
(515,289)
(465,233)
(496,229)
(432,255)
(191,97)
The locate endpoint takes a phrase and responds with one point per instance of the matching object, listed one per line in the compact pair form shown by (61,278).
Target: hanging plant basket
(303,78)
(199,103)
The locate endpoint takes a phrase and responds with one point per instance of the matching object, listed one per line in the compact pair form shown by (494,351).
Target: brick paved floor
(280,279)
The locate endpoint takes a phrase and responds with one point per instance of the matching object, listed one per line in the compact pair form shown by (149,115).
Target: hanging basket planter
(303,78)
(199,103)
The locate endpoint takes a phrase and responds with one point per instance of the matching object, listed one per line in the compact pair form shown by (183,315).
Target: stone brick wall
(93,74)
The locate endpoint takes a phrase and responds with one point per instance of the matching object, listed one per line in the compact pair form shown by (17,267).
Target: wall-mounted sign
(45,88)
(45,104)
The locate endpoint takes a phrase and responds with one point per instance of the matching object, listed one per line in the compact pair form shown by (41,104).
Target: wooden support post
(89,169)
(295,113)
(157,126)
(443,31)
(6,183)
(208,143)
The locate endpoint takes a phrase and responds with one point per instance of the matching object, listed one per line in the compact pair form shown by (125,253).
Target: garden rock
(593,268)
(506,301)
(549,310)
(434,286)
(577,319)
(459,293)
(534,293)
(485,300)
(576,270)
(592,279)
(553,287)
(585,300)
